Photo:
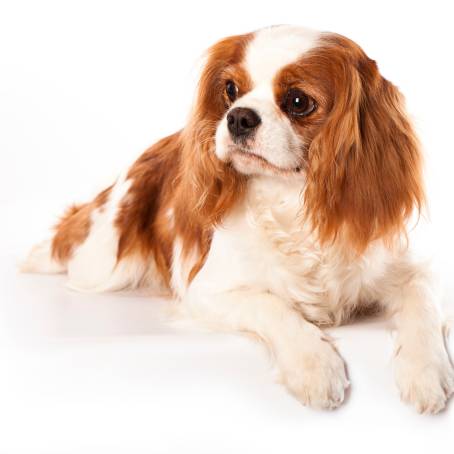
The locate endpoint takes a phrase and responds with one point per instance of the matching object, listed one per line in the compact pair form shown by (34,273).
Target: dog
(281,208)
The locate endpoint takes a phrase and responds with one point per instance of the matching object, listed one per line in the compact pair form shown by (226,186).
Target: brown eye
(231,90)
(297,103)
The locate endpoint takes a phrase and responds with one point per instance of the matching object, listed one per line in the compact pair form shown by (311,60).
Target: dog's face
(272,109)
(297,104)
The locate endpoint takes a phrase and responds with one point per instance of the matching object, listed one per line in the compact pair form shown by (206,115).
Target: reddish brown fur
(364,164)
(207,183)
(143,226)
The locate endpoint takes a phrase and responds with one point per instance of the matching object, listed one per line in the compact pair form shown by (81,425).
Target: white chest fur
(265,246)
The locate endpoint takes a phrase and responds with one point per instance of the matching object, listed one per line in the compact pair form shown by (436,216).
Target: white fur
(181,267)
(275,47)
(265,273)
(423,371)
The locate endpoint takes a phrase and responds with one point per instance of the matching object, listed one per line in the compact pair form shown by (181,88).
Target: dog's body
(247,221)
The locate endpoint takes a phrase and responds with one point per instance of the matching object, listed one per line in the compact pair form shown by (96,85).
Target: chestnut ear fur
(364,177)
(209,187)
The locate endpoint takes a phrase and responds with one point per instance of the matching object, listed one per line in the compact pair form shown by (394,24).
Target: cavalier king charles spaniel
(279,209)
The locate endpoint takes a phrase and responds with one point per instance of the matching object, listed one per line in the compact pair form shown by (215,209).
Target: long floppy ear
(364,177)
(210,187)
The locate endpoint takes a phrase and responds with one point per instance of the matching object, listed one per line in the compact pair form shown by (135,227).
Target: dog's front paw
(318,378)
(425,380)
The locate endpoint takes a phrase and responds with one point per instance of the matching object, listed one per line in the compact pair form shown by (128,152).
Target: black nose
(241,121)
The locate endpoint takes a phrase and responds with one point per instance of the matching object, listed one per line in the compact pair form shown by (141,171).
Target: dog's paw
(425,381)
(318,379)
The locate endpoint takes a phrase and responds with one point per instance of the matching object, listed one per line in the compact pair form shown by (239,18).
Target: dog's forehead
(275,47)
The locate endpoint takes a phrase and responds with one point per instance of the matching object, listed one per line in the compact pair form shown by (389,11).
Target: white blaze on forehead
(275,47)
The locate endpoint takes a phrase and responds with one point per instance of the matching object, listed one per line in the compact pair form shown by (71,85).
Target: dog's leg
(424,374)
(309,364)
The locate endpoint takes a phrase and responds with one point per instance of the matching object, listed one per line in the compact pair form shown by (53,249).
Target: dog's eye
(297,103)
(231,90)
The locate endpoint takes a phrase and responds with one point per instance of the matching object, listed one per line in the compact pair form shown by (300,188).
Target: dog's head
(291,103)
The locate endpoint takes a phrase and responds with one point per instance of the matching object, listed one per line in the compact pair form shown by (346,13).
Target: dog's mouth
(245,161)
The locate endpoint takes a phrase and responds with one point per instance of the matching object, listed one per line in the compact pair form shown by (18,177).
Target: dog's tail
(40,260)
(51,256)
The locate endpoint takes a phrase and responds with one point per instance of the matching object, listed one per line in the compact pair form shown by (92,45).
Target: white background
(84,88)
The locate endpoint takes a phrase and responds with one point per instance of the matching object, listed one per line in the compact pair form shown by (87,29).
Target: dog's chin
(249,163)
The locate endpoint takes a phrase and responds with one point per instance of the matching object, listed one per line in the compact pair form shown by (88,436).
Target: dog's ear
(364,177)
(210,186)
